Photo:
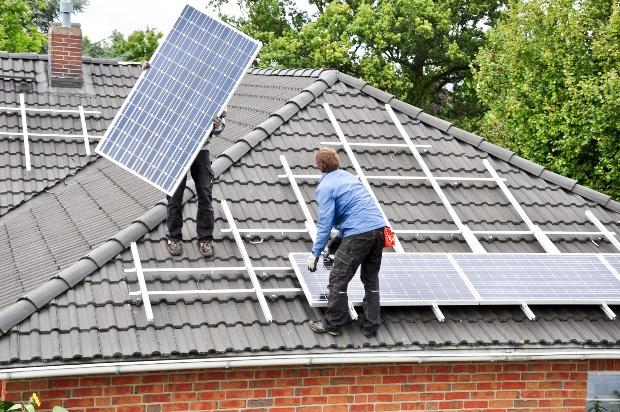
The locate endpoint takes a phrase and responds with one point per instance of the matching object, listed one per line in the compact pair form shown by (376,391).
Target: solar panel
(166,118)
(539,278)
(613,260)
(405,279)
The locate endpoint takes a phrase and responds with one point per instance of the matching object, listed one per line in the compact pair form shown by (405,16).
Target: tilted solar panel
(405,279)
(534,278)
(166,118)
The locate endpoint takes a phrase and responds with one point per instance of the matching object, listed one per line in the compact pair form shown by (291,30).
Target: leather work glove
(312,262)
(332,247)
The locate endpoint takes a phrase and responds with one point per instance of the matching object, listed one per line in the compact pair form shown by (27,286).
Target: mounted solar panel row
(420,279)
(166,118)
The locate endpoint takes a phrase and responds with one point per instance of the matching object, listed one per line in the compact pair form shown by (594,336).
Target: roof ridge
(482,144)
(44,57)
(64,280)
(298,72)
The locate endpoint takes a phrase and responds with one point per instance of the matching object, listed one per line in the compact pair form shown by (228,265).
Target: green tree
(138,46)
(47,11)
(550,76)
(419,50)
(18,33)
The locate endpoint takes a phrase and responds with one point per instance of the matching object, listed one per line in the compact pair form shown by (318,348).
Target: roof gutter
(306,360)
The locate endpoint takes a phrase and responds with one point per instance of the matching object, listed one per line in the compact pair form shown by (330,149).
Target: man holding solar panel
(344,203)
(203,180)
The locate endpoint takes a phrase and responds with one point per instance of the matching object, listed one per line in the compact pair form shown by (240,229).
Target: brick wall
(504,386)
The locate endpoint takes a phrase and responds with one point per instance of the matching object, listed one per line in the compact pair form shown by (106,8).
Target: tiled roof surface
(93,318)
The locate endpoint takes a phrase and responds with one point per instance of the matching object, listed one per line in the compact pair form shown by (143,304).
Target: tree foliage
(550,76)
(419,50)
(18,33)
(47,11)
(138,46)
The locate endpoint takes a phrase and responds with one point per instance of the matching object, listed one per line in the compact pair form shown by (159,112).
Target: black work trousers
(203,178)
(363,249)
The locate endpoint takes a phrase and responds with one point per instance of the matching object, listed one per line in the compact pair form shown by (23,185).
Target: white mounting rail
(310,226)
(143,290)
(544,241)
(23,109)
(248,263)
(358,169)
(22,105)
(470,238)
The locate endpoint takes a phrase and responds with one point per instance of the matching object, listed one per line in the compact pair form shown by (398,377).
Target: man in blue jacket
(344,203)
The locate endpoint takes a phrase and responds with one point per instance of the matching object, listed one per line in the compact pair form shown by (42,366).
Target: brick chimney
(65,50)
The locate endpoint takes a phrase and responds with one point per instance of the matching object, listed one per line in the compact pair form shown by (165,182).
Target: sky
(101,17)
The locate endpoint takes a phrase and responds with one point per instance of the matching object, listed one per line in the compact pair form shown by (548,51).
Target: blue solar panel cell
(165,119)
(540,278)
(405,279)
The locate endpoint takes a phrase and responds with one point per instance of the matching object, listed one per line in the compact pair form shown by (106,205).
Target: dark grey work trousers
(203,178)
(363,249)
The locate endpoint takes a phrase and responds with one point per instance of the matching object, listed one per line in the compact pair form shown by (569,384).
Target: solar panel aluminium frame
(134,89)
(478,300)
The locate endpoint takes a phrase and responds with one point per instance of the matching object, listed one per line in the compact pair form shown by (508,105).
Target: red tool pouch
(388,237)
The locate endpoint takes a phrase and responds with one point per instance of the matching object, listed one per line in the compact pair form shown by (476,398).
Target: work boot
(206,248)
(175,247)
(319,327)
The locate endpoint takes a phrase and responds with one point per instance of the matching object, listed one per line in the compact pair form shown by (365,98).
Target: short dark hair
(327,160)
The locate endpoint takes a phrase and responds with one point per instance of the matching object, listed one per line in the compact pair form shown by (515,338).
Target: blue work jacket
(344,203)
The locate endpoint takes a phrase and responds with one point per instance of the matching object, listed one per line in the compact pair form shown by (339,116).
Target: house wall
(484,386)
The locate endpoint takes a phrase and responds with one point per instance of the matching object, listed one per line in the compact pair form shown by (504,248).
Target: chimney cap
(66,6)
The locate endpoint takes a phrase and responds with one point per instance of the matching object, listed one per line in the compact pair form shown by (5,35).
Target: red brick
(156,398)
(400,397)
(126,380)
(380,397)
(333,390)
(203,406)
(81,392)
(64,383)
(293,401)
(79,402)
(457,395)
(387,407)
(117,390)
(232,404)
(313,400)
(282,392)
(274,373)
(183,396)
(183,377)
(169,407)
(211,395)
(513,385)
(126,400)
(475,404)
(335,408)
(239,394)
(156,388)
(501,403)
(233,385)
